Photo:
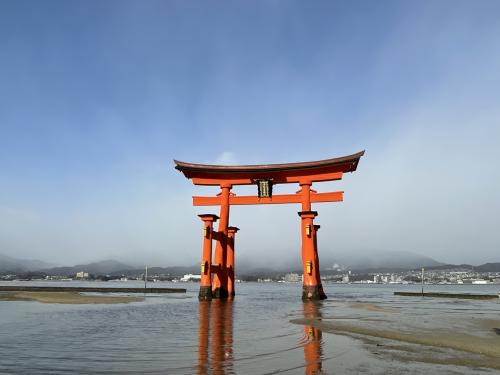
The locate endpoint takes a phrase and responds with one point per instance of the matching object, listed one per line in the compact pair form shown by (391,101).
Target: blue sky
(98,97)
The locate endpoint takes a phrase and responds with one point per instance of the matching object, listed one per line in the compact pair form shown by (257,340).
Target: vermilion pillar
(316,261)
(306,195)
(206,259)
(219,285)
(231,232)
(310,288)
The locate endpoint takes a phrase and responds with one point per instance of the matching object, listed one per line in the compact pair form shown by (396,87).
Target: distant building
(82,275)
(292,278)
(191,277)
(345,279)
(480,282)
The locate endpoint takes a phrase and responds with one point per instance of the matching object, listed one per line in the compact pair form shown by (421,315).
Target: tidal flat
(457,339)
(66,298)
(267,329)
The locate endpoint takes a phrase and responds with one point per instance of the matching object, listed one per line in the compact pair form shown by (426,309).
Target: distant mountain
(488,267)
(368,260)
(9,264)
(104,267)
(373,261)
(333,260)
(463,267)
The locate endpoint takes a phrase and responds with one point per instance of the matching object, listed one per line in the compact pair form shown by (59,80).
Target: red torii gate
(264,176)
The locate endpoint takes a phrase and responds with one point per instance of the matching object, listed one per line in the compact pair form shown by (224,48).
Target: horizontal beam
(277,178)
(336,196)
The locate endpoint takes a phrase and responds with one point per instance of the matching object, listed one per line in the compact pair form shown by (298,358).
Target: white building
(82,275)
(191,277)
(292,278)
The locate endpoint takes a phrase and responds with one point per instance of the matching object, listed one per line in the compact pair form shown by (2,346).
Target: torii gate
(264,176)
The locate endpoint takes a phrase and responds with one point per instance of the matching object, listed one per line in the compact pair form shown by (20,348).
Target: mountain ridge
(361,262)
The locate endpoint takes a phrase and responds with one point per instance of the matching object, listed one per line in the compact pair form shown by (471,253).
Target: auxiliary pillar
(316,262)
(206,259)
(311,283)
(231,233)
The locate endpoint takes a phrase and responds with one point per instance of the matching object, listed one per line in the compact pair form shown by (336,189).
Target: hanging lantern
(206,231)
(309,267)
(204,268)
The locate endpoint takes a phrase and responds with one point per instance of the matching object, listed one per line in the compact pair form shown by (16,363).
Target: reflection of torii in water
(215,321)
(216,332)
(265,177)
(312,347)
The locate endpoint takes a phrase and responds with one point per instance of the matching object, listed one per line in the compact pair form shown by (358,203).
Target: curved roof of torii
(344,164)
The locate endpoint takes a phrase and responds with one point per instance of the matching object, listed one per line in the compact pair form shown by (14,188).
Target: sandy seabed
(66,298)
(474,342)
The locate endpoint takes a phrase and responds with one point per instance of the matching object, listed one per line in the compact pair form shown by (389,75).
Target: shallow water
(176,334)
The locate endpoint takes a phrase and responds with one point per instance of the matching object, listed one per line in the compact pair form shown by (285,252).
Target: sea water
(254,334)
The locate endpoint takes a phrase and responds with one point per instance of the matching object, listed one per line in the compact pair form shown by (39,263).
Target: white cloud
(226,158)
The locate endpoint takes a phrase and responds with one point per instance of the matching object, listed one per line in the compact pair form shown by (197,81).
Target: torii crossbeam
(264,176)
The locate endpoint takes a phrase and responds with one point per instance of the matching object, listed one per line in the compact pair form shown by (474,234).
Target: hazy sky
(98,97)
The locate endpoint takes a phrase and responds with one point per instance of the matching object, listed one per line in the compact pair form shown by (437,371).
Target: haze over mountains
(360,261)
(13,264)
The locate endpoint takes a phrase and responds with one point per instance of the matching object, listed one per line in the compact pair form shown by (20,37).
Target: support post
(310,287)
(316,261)
(205,293)
(231,233)
(219,285)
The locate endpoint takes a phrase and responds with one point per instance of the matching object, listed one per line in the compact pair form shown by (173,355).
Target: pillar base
(219,293)
(312,293)
(205,293)
(321,292)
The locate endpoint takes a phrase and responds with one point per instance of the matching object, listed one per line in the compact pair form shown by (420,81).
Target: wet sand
(66,298)
(472,343)
(371,307)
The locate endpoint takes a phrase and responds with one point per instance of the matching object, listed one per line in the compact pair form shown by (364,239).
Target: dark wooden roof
(347,163)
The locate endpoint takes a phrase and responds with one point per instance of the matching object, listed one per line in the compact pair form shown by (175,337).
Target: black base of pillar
(205,293)
(219,293)
(313,293)
(321,292)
